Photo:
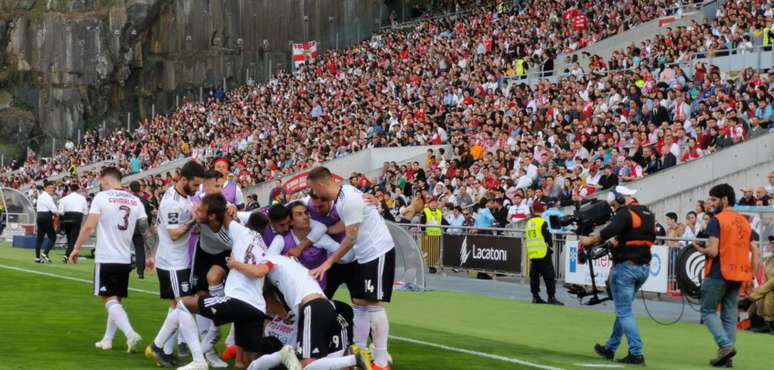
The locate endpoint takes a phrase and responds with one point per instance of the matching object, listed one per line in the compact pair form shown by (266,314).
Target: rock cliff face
(67,65)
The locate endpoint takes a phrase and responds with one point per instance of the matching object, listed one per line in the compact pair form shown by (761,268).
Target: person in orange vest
(732,256)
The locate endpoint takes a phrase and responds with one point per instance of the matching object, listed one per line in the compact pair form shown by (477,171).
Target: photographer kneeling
(634,229)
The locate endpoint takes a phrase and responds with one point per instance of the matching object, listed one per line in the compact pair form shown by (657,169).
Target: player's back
(373,239)
(119,211)
(175,210)
(292,280)
(247,247)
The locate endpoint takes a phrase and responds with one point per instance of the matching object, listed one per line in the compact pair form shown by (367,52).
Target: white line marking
(393,337)
(606,366)
(474,353)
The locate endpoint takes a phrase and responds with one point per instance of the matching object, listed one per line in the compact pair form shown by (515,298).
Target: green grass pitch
(48,322)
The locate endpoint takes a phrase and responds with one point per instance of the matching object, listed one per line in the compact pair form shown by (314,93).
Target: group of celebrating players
(270,275)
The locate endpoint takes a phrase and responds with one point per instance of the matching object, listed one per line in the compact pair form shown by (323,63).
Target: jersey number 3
(125,222)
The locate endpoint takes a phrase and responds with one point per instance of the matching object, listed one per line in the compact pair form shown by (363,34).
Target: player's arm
(179,232)
(254,271)
(316,233)
(346,245)
(84,235)
(337,228)
(150,246)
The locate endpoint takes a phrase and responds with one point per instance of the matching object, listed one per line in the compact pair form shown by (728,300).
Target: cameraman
(732,256)
(634,229)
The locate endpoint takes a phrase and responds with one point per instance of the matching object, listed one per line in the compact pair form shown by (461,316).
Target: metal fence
(433,249)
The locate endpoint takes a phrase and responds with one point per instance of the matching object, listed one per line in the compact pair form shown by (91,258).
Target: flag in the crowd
(304,52)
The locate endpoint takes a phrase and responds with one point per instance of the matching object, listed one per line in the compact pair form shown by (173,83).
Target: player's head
(134,186)
(110,178)
(213,182)
(211,211)
(322,207)
(222,165)
(722,196)
(320,180)
(74,188)
(257,221)
(49,187)
(190,177)
(299,215)
(279,216)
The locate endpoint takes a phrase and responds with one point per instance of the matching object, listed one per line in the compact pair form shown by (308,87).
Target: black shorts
(111,279)
(203,262)
(375,279)
(174,283)
(248,320)
(340,273)
(321,330)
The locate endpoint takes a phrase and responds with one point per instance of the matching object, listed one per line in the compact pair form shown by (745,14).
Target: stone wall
(67,65)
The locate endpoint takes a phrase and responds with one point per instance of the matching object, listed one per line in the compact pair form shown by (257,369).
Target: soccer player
(279,223)
(211,250)
(367,233)
(243,303)
(308,239)
(322,333)
(114,214)
(231,190)
(175,221)
(343,271)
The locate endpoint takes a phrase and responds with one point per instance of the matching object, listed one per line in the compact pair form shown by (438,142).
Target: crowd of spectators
(453,81)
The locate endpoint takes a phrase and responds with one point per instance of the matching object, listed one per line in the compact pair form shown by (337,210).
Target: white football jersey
(373,237)
(248,247)
(175,211)
(292,280)
(118,212)
(284,330)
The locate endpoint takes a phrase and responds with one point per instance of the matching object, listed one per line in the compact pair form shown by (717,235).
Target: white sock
(332,363)
(117,314)
(266,362)
(380,331)
(209,338)
(203,324)
(169,345)
(190,332)
(168,329)
(362,326)
(230,338)
(217,290)
(110,330)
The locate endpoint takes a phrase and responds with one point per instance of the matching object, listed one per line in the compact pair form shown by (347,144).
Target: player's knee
(216,275)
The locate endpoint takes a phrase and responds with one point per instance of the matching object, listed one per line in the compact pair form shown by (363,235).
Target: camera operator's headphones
(619,198)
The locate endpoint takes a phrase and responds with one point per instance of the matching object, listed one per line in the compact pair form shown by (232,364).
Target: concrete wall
(369,162)
(635,35)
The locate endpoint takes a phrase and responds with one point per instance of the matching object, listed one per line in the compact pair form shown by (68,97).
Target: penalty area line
(393,337)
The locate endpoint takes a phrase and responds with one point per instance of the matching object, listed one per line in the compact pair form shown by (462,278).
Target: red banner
(298,183)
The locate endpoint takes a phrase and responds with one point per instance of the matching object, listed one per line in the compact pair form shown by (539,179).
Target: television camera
(585,218)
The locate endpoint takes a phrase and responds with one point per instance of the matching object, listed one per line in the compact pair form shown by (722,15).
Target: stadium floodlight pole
(153,113)
(128,121)
(201,94)
(79,137)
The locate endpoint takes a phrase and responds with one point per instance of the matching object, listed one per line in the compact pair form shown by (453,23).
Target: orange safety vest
(733,248)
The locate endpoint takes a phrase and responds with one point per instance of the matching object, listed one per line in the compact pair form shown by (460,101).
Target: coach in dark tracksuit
(72,208)
(46,211)
(137,238)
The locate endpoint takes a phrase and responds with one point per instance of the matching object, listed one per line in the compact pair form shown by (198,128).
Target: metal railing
(432,248)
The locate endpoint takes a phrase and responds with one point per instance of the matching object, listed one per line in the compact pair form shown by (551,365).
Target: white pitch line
(605,366)
(393,337)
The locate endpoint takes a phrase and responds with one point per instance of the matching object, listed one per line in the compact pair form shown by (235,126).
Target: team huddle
(268,277)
